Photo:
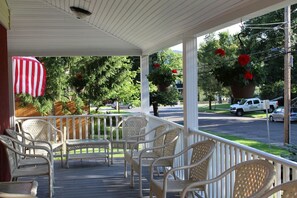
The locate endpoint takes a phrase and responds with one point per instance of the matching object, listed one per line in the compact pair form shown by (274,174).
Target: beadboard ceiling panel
(121,27)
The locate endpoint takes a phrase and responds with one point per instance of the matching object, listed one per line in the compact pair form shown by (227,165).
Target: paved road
(250,128)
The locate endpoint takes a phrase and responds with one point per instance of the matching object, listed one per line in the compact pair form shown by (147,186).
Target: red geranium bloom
(174,71)
(220,52)
(248,75)
(244,59)
(156,65)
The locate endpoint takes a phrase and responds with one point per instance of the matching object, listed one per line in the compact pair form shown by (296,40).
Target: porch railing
(227,153)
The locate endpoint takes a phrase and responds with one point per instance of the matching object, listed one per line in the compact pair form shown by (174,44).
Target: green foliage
(267,43)
(56,85)
(97,79)
(225,66)
(161,75)
(274,90)
(292,155)
(169,97)
(86,80)
(254,144)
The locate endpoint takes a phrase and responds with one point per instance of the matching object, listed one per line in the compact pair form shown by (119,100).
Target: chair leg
(62,162)
(125,168)
(51,187)
(132,178)
(140,181)
(111,153)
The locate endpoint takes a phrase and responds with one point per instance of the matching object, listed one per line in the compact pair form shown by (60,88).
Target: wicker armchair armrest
(48,159)
(224,174)
(142,152)
(57,131)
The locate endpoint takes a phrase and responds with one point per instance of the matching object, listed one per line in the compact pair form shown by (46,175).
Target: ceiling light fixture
(80,13)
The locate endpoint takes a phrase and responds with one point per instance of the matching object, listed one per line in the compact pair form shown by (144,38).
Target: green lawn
(254,144)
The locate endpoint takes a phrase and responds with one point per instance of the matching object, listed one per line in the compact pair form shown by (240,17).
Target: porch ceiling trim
(126,27)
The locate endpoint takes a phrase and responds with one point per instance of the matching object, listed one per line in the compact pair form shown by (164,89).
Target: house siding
(4,103)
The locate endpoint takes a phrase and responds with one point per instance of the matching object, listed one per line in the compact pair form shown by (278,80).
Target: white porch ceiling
(121,27)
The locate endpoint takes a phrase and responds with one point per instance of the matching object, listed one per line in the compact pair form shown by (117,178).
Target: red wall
(4,102)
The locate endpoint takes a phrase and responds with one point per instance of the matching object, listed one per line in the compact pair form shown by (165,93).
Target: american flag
(29,76)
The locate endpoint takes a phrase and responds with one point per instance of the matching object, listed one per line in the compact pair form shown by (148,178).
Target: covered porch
(138,28)
(93,177)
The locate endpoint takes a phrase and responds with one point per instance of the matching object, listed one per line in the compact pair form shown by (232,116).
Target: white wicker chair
(16,171)
(197,169)
(133,152)
(42,130)
(288,189)
(252,179)
(165,145)
(47,151)
(130,126)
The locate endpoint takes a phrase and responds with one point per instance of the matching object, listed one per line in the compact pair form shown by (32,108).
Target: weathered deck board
(91,178)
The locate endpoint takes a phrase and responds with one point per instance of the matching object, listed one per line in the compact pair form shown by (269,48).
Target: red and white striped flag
(29,76)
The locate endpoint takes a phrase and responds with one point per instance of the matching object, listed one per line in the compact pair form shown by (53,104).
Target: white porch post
(145,97)
(11,92)
(190,79)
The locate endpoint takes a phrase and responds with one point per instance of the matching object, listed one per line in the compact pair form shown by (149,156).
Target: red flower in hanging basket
(248,75)
(174,71)
(244,59)
(156,65)
(220,52)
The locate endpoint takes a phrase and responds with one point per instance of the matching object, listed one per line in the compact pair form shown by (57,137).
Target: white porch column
(190,86)
(11,92)
(144,71)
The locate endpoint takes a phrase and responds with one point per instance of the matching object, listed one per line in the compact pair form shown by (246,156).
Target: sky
(231,29)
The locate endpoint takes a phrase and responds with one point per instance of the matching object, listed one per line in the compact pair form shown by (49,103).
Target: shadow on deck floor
(91,178)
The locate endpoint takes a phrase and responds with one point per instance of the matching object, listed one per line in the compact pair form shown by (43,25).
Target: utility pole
(287,75)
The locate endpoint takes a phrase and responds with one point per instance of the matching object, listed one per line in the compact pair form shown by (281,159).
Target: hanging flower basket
(246,91)
(163,88)
(162,77)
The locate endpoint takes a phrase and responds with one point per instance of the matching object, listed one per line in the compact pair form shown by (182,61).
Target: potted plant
(237,71)
(162,76)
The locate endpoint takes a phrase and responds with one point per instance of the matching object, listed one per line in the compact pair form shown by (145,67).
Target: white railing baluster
(92,128)
(73,128)
(80,127)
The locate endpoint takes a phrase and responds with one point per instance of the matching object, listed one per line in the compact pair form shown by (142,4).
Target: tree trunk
(155,108)
(209,103)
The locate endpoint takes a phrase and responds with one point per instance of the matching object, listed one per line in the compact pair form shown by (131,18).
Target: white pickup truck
(252,104)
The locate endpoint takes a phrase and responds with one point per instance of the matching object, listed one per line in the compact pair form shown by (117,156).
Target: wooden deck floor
(91,178)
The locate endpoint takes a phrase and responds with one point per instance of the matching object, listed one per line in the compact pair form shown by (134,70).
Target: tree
(169,59)
(267,42)
(209,84)
(85,80)
(56,85)
(97,79)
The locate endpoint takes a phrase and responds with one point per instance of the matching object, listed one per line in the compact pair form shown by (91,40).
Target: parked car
(252,104)
(278,114)
(122,105)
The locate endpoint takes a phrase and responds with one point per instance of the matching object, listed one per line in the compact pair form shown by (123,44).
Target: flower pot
(163,88)
(243,91)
